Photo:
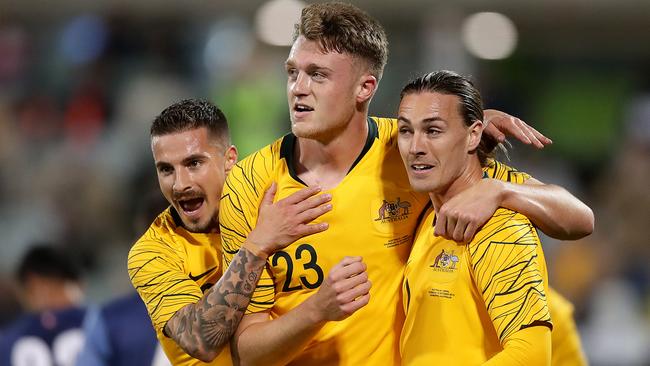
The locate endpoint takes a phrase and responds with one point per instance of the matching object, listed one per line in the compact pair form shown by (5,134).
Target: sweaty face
(191,171)
(321,89)
(433,140)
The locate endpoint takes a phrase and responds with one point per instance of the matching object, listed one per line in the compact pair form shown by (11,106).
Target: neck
(326,162)
(470,175)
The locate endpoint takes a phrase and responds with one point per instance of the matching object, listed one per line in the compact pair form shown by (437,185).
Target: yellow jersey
(463,301)
(565,340)
(374,215)
(170,268)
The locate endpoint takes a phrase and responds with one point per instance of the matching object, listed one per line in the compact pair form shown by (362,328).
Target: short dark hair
(344,28)
(470,106)
(190,114)
(45,260)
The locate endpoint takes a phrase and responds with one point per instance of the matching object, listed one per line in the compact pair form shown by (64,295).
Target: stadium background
(80,82)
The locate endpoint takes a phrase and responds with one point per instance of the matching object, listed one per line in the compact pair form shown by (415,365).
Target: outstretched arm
(203,328)
(551,208)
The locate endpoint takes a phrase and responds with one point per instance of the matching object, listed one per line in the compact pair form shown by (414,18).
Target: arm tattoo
(205,327)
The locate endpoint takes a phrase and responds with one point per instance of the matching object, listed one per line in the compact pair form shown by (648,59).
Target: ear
(367,88)
(230,158)
(475,133)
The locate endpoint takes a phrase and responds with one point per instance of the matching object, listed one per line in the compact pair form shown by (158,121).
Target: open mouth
(421,167)
(191,205)
(302,108)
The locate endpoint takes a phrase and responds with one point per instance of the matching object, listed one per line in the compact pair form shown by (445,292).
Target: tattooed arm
(203,328)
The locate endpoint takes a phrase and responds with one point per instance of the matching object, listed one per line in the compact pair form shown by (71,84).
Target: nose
(417,144)
(182,180)
(300,86)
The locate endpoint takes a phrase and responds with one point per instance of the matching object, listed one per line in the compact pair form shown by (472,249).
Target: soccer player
(50,333)
(313,304)
(195,304)
(484,303)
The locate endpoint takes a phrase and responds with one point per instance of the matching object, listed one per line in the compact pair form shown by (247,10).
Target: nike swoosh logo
(198,277)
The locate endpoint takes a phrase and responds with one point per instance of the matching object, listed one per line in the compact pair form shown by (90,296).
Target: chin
(423,186)
(195,226)
(303,132)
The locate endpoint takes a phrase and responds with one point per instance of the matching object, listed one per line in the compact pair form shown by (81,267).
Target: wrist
(259,243)
(504,192)
(313,312)
(255,249)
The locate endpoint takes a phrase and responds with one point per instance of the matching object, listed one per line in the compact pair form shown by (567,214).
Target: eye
(165,170)
(292,73)
(404,130)
(318,76)
(433,131)
(194,163)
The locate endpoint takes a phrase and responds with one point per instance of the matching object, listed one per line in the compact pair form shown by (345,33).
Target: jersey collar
(287,148)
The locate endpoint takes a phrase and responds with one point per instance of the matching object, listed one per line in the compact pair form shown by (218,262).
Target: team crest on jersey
(445,262)
(391,211)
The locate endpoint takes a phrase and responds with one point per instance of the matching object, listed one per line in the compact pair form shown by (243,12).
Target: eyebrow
(193,157)
(426,120)
(310,67)
(186,160)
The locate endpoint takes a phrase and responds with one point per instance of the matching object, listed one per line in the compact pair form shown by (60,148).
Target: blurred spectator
(120,333)
(50,332)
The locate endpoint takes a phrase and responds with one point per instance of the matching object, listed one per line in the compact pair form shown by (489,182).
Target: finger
(450,227)
(301,195)
(470,231)
(511,127)
(348,283)
(343,262)
(543,139)
(353,293)
(356,304)
(348,270)
(311,214)
(313,201)
(307,230)
(441,225)
(494,132)
(459,230)
(526,129)
(269,195)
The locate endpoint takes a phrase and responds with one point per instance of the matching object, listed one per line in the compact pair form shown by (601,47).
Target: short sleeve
(500,171)
(157,273)
(510,273)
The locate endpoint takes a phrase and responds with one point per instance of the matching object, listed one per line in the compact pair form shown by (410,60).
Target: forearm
(551,208)
(527,347)
(278,341)
(203,328)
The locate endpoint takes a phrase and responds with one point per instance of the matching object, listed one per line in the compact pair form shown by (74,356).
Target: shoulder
(506,227)
(386,129)
(259,163)
(158,247)
(159,236)
(498,170)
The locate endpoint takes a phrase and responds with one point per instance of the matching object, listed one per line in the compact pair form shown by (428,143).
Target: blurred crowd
(77,96)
